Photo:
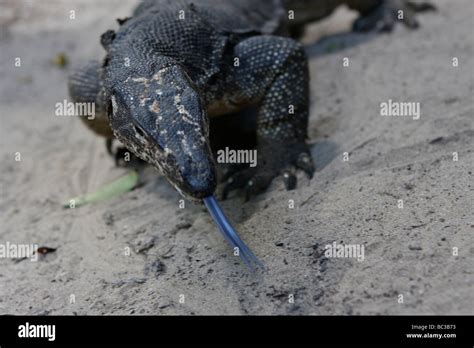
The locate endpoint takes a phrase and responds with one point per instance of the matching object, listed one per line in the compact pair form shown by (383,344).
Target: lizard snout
(199,177)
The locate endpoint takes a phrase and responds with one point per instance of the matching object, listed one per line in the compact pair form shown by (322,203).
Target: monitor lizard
(176,63)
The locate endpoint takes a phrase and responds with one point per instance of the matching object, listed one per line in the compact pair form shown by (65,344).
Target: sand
(141,254)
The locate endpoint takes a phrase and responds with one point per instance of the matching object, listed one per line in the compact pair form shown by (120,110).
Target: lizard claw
(258,183)
(250,179)
(305,162)
(235,181)
(384,16)
(289,179)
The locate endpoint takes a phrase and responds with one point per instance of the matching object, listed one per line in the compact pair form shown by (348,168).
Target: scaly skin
(164,75)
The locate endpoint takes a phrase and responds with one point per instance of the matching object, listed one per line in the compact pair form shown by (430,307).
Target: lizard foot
(384,16)
(275,159)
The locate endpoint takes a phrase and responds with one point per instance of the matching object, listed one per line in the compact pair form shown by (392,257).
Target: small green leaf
(121,185)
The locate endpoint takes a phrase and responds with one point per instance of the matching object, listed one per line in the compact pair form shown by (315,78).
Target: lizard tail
(230,234)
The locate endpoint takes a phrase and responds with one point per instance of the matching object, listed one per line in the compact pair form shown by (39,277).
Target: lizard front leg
(273,72)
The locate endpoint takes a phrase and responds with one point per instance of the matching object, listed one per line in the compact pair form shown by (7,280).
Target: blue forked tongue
(230,234)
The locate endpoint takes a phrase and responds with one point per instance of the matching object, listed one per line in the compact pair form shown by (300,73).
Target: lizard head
(159,116)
